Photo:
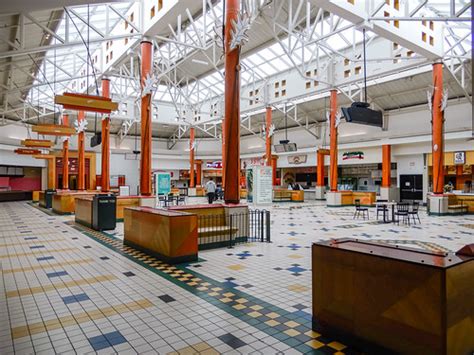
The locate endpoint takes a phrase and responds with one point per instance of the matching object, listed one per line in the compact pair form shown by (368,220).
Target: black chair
(161,201)
(402,210)
(359,209)
(414,212)
(181,200)
(381,208)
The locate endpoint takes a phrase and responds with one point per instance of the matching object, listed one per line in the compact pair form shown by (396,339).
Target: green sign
(163,183)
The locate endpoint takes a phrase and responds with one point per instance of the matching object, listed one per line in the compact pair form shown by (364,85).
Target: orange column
(386,165)
(223,154)
(268,140)
(274,169)
(51,173)
(105,157)
(232,108)
(437,130)
(145,160)
(66,156)
(198,172)
(81,170)
(191,157)
(333,144)
(320,169)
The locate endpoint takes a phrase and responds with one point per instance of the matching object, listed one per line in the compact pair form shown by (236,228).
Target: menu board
(163,183)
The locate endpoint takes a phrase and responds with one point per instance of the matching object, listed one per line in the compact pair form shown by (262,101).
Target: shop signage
(459,157)
(214,164)
(353,155)
(297,159)
(163,183)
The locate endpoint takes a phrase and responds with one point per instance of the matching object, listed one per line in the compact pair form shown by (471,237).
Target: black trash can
(104,212)
(48,198)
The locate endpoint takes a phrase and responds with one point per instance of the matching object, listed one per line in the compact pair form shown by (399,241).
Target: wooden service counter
(132,201)
(83,208)
(381,297)
(171,236)
(348,198)
(35,196)
(466,200)
(288,195)
(64,201)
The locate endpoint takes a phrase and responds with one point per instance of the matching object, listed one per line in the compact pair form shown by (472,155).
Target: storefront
(459,171)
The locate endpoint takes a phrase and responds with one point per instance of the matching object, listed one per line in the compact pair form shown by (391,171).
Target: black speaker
(96,139)
(104,212)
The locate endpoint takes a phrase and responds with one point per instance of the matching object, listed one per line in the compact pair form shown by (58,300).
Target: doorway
(411,187)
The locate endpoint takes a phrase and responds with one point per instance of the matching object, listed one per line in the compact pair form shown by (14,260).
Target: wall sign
(163,183)
(459,157)
(214,164)
(297,159)
(353,155)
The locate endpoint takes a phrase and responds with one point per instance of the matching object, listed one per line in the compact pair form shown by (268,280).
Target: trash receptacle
(48,198)
(104,212)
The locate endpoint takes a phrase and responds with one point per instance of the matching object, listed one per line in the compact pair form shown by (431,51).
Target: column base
(320,192)
(334,199)
(192,192)
(438,205)
(390,194)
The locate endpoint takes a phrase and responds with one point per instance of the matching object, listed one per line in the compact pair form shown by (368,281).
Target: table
(384,214)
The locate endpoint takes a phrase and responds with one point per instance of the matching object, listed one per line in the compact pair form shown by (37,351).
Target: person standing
(211,190)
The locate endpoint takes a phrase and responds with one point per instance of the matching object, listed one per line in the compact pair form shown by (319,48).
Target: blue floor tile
(107,340)
(56,274)
(75,298)
(37,246)
(43,258)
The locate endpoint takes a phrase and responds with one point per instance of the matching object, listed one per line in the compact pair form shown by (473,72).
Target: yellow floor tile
(337,346)
(315,344)
(239,307)
(273,315)
(291,324)
(272,322)
(292,332)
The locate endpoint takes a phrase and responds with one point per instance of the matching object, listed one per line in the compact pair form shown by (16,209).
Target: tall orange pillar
(437,130)
(198,172)
(274,169)
(145,159)
(268,138)
(232,108)
(81,170)
(333,143)
(51,173)
(320,166)
(66,156)
(191,158)
(223,153)
(386,165)
(105,158)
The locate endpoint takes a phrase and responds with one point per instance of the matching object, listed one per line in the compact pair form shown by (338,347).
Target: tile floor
(66,289)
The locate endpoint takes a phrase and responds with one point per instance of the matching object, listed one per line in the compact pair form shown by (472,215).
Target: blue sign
(163,183)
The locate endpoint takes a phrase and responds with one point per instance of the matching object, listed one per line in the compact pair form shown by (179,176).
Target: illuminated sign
(353,155)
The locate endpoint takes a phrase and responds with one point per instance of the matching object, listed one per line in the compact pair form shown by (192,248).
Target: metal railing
(226,230)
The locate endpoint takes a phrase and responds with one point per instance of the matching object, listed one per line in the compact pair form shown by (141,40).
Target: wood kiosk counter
(170,236)
(64,201)
(378,296)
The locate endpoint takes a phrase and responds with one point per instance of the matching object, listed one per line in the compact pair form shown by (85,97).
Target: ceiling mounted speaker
(467,250)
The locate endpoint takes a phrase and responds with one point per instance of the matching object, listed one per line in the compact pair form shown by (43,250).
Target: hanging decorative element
(23,151)
(90,103)
(430,101)
(444,99)
(80,125)
(37,143)
(53,130)
(149,84)
(338,118)
(239,31)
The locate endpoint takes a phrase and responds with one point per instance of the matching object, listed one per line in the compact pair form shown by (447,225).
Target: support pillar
(274,169)
(198,172)
(333,142)
(191,158)
(437,130)
(232,108)
(333,197)
(65,186)
(51,173)
(145,158)
(320,186)
(438,203)
(268,138)
(105,156)
(223,153)
(81,163)
(387,192)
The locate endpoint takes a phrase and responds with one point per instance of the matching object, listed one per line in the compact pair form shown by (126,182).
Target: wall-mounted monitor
(287,147)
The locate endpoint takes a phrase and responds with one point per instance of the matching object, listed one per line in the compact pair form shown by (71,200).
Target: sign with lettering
(163,183)
(353,155)
(214,164)
(459,157)
(297,159)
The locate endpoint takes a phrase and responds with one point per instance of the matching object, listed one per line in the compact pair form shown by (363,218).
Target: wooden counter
(35,196)
(377,297)
(288,195)
(463,199)
(297,195)
(348,198)
(83,210)
(64,201)
(171,236)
